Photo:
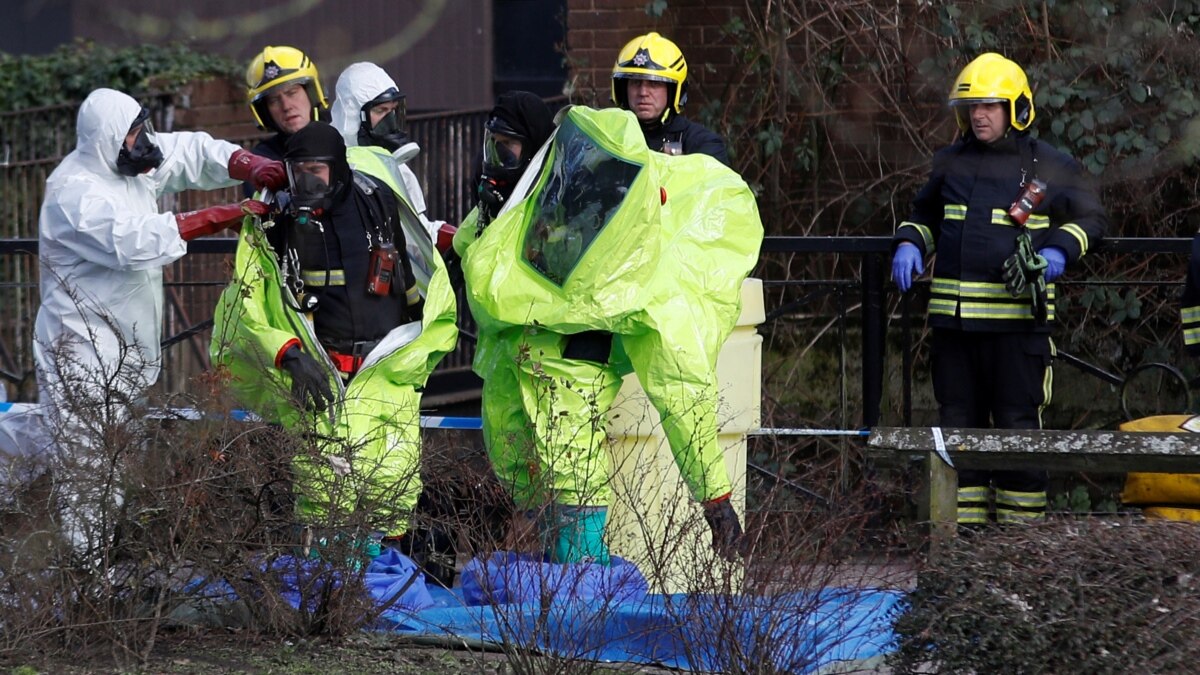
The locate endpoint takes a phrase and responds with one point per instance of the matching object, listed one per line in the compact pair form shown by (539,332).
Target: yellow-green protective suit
(368,443)
(602,234)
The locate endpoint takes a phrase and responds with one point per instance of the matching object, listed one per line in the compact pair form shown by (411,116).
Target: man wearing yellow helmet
(650,80)
(993,190)
(283,89)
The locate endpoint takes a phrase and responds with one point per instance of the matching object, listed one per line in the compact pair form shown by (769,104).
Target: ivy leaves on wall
(72,71)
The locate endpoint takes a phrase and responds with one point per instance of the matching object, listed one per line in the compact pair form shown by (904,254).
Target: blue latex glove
(905,263)
(1056,262)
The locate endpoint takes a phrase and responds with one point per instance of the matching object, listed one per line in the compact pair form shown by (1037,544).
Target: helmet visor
(972,101)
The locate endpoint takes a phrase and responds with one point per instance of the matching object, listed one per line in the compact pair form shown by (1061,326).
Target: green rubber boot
(578,535)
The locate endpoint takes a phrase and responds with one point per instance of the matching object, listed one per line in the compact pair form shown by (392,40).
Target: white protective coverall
(358,84)
(103,244)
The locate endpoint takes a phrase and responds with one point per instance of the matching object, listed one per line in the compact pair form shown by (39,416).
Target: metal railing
(863,301)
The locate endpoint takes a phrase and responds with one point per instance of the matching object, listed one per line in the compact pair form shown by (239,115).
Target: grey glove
(728,539)
(310,382)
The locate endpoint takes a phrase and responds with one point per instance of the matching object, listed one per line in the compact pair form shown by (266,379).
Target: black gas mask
(388,133)
(317,170)
(506,153)
(144,155)
(311,192)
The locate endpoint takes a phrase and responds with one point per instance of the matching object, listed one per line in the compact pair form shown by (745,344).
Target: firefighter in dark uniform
(650,80)
(1006,214)
(343,300)
(331,247)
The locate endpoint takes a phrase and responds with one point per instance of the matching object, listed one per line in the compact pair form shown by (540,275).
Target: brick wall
(219,107)
(597,29)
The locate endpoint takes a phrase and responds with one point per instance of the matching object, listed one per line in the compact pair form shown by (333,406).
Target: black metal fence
(840,352)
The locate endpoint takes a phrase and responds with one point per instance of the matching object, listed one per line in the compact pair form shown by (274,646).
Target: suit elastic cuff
(283,350)
(717,500)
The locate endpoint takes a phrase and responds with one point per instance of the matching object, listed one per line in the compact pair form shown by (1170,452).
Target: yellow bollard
(654,522)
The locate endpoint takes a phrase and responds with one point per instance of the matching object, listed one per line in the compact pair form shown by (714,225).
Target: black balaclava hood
(319,141)
(524,114)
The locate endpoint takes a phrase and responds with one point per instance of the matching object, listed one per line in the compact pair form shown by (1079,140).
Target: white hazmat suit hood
(358,84)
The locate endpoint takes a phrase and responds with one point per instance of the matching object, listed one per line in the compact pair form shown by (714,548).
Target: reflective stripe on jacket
(1190,310)
(256,317)
(962,214)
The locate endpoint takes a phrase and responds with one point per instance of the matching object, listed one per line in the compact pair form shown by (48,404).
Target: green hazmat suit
(602,234)
(367,448)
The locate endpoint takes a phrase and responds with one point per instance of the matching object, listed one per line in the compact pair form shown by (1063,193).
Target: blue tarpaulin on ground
(602,614)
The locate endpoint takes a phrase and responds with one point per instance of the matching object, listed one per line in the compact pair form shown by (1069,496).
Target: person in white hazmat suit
(103,244)
(369,112)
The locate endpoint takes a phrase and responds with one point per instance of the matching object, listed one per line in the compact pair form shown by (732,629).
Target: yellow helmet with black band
(651,57)
(277,66)
(991,78)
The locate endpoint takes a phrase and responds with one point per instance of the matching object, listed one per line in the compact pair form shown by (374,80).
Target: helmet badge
(271,71)
(641,58)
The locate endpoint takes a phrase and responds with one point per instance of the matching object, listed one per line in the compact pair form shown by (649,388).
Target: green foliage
(1119,306)
(1079,501)
(656,8)
(72,71)
(838,108)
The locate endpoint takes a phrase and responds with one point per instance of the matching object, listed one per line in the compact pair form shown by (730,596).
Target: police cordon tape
(427,421)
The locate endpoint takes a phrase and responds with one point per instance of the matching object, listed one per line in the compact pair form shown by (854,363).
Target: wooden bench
(1051,450)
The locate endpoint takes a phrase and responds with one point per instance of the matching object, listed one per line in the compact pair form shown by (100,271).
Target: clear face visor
(967,102)
(502,150)
(962,108)
(584,187)
(310,180)
(390,122)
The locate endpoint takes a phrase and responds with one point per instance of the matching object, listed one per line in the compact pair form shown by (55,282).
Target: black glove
(728,540)
(310,383)
(491,199)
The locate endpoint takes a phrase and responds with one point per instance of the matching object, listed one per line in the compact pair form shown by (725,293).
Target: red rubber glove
(212,220)
(445,237)
(260,171)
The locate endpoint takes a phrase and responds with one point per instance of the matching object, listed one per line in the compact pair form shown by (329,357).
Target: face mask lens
(388,132)
(309,185)
(144,155)
(389,125)
(501,150)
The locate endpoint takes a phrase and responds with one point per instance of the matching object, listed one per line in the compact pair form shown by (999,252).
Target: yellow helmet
(276,66)
(991,78)
(651,57)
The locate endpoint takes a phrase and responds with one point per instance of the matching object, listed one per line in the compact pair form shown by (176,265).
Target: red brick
(581,39)
(603,18)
